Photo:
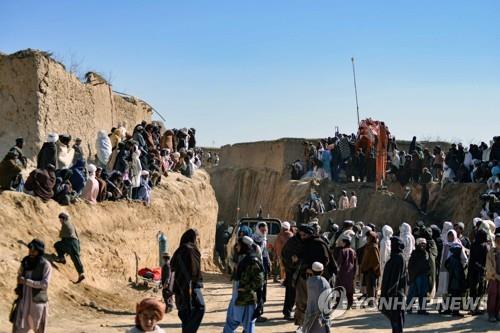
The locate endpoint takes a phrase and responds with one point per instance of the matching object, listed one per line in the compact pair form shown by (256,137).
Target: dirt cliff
(110,233)
(251,175)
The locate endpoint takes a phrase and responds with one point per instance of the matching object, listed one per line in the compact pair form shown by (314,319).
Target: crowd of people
(126,165)
(313,206)
(421,165)
(411,270)
(338,159)
(408,270)
(399,273)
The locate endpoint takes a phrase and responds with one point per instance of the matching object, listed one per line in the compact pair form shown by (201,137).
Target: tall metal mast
(355,88)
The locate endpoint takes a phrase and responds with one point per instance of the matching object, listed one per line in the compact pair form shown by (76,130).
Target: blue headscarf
(245,230)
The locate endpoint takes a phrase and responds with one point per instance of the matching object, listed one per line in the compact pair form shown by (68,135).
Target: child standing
(149,312)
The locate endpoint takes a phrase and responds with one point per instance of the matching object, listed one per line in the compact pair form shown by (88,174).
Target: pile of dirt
(110,234)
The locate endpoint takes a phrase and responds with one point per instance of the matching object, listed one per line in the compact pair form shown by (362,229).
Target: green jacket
(250,275)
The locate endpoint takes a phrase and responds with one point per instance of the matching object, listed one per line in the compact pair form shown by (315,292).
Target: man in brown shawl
(370,266)
(41,182)
(103,187)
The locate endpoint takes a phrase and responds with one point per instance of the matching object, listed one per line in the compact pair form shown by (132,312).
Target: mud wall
(18,100)
(110,235)
(38,96)
(273,155)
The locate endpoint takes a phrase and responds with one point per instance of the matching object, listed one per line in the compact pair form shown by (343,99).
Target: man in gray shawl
(316,285)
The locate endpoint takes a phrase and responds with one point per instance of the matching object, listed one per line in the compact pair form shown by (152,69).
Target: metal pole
(355,88)
(238,203)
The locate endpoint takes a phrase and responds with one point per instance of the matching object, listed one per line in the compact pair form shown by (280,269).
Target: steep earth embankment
(110,233)
(456,202)
(251,175)
(252,188)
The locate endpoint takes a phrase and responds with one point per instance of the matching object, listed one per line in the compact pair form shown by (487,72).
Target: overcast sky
(257,70)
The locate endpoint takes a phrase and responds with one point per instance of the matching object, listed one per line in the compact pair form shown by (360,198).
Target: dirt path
(217,294)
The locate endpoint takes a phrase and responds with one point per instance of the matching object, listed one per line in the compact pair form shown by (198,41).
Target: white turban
(52,137)
(285,225)
(247,240)
(317,267)
(91,168)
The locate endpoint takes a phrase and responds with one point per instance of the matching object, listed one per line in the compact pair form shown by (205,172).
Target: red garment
(154,273)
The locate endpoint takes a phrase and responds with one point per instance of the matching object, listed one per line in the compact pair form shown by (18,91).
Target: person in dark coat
(78,176)
(10,172)
(432,250)
(63,190)
(290,258)
(495,149)
(116,186)
(476,276)
(314,250)
(41,182)
(458,284)
(122,157)
(419,270)
(452,157)
(188,282)
(166,276)
(103,189)
(48,154)
(425,180)
(436,236)
(394,286)
(192,138)
(459,228)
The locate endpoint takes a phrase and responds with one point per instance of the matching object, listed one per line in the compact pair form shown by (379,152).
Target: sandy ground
(217,294)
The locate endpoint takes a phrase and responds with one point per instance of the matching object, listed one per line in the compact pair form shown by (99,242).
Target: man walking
(289,256)
(394,286)
(69,244)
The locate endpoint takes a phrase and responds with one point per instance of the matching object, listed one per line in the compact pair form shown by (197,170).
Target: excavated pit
(253,175)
